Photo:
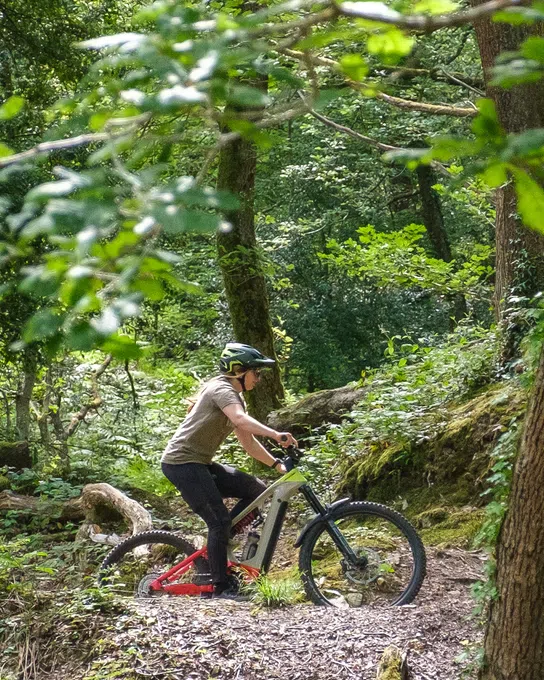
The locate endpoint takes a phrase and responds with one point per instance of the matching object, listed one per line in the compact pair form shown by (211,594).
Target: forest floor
(190,639)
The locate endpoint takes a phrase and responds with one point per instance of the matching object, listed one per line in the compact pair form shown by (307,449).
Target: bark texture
(23,397)
(520,253)
(242,271)
(325,406)
(514,642)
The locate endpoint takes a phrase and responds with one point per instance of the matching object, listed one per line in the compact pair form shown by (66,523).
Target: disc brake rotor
(363,576)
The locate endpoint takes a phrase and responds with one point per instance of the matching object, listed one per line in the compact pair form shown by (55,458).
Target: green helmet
(236,354)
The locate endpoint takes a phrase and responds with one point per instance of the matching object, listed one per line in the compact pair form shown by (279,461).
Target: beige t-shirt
(206,427)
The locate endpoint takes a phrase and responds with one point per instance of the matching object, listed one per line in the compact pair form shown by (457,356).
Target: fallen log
(98,503)
(393,665)
(316,409)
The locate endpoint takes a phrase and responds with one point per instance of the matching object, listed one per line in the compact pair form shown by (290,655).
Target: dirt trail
(189,639)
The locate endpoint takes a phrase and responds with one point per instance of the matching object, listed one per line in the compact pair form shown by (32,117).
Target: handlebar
(293,457)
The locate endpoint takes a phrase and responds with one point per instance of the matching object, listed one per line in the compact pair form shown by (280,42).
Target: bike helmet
(245,356)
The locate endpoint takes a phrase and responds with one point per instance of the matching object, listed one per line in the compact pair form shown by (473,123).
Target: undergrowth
(276,591)
(49,602)
(406,402)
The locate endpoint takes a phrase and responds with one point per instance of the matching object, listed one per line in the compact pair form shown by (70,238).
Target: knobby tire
(364,509)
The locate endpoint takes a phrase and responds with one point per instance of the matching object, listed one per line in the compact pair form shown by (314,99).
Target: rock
(392,665)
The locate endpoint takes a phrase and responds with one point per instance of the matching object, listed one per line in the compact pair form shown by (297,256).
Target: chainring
(144,586)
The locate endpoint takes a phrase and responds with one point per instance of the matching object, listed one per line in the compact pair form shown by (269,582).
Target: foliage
(48,595)
(277,591)
(396,260)
(404,402)
(143,96)
(499,481)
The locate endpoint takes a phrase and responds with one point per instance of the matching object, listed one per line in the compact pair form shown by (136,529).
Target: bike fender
(318,519)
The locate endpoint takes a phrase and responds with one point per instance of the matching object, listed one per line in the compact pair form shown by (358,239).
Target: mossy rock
(458,529)
(15,455)
(458,457)
(430,517)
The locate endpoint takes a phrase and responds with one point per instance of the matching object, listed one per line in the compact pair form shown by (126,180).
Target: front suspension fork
(333,531)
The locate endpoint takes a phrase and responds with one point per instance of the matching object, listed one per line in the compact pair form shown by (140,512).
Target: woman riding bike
(188,458)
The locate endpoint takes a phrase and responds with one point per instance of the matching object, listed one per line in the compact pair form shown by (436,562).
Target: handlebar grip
(284,438)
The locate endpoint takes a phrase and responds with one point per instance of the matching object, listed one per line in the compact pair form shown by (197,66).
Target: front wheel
(389,565)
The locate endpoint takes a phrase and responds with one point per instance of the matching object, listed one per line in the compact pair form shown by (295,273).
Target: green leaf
(152,289)
(44,324)
(486,124)
(246,96)
(176,220)
(436,6)
(82,337)
(127,40)
(11,107)
(174,97)
(530,199)
(5,151)
(526,143)
(533,48)
(516,16)
(354,66)
(391,45)
(122,347)
(495,174)
(62,187)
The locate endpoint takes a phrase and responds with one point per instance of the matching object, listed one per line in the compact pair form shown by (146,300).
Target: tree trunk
(432,213)
(520,253)
(242,271)
(23,397)
(314,410)
(514,642)
(433,220)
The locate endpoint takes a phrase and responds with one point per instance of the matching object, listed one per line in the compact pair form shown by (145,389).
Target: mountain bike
(352,553)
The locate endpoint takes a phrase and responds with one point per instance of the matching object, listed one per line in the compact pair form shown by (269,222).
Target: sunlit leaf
(354,66)
(390,45)
(530,199)
(11,107)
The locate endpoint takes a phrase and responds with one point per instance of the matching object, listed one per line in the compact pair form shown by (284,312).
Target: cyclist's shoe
(230,594)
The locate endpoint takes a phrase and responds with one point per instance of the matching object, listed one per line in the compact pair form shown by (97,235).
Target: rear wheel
(389,565)
(131,567)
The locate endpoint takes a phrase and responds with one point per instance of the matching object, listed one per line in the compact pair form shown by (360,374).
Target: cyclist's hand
(281,469)
(286,439)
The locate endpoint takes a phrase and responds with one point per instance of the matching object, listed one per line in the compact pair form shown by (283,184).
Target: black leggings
(203,488)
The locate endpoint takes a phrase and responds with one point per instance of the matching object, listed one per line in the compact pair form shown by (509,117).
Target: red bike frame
(165,582)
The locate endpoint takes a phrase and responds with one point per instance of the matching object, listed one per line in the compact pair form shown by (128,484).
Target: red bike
(351,553)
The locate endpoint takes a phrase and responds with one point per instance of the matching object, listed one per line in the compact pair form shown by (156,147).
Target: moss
(457,530)
(430,517)
(457,458)
(4,483)
(391,663)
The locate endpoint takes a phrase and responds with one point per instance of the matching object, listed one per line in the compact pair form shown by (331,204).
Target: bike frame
(279,494)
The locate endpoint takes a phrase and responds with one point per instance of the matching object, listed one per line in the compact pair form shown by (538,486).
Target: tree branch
(93,404)
(73,142)
(433,109)
(369,140)
(438,74)
(352,133)
(378,11)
